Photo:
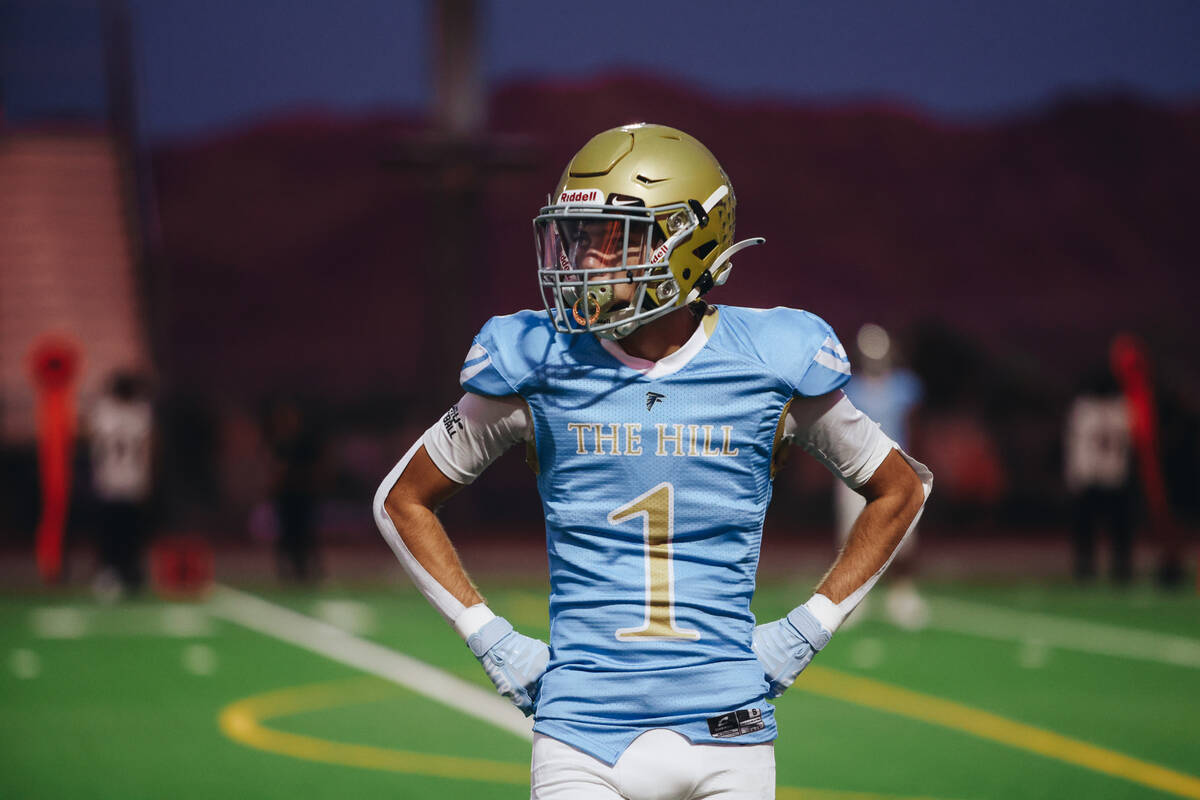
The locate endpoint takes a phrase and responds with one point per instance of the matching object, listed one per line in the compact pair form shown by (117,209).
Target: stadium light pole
(454,159)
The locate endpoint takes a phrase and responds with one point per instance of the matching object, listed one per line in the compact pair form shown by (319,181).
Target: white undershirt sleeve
(474,433)
(468,437)
(852,447)
(837,434)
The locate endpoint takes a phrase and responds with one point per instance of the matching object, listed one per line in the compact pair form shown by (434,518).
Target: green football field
(1014,691)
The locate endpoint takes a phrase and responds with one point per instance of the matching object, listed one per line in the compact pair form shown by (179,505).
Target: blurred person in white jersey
(121,432)
(653,422)
(1098,471)
(888,394)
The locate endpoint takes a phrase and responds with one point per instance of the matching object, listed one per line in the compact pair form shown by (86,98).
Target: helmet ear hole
(703,250)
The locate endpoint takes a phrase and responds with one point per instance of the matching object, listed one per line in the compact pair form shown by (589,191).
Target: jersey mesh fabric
(696,447)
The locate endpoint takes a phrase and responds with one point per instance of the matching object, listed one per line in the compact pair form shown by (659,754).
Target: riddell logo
(581,196)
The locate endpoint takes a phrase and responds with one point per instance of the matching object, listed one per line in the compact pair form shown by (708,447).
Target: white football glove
(784,647)
(514,662)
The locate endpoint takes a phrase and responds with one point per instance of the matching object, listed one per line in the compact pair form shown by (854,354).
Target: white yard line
(334,643)
(76,622)
(1066,633)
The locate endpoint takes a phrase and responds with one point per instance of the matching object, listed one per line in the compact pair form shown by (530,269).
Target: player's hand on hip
(784,647)
(514,662)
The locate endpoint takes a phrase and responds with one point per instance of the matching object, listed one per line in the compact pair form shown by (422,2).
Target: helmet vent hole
(703,250)
(687,274)
(647,180)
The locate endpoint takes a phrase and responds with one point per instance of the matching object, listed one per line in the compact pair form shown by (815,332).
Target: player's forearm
(873,539)
(426,539)
(895,494)
(403,513)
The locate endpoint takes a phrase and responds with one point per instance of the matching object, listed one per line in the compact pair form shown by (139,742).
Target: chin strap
(719,271)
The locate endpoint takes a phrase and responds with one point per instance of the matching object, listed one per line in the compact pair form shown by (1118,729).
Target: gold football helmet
(642,204)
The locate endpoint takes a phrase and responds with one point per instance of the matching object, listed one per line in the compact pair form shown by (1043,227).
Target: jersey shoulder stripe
(507,351)
(798,346)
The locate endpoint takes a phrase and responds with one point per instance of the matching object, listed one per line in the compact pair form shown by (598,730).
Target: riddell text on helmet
(581,196)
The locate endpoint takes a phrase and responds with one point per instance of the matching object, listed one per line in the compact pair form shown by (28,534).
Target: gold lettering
(727,430)
(656,508)
(579,428)
(611,438)
(708,437)
(633,438)
(664,437)
(692,431)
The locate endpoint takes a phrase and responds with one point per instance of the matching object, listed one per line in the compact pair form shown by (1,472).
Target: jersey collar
(676,361)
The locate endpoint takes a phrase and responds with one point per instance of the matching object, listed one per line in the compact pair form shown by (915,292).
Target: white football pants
(659,765)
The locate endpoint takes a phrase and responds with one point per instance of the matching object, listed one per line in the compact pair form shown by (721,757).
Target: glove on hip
(784,647)
(514,662)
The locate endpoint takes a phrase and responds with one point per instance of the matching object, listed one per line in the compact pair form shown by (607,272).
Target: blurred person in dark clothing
(1099,474)
(296,450)
(121,427)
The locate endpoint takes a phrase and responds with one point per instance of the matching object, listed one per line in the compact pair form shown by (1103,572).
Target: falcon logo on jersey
(581,196)
(652,398)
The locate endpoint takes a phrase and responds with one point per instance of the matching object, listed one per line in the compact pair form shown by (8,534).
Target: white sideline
(993,622)
(334,643)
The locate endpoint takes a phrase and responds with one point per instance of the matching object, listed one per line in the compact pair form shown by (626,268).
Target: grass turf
(127,711)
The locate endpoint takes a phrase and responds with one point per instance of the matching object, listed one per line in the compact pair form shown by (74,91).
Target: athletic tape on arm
(855,597)
(446,604)
(852,447)
(469,437)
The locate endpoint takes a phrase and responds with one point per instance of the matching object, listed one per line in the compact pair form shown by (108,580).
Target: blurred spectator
(121,427)
(888,395)
(1098,473)
(297,451)
(1131,365)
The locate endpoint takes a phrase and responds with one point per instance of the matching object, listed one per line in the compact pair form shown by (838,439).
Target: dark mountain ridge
(299,254)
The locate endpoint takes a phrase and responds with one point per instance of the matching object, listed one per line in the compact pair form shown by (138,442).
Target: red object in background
(1132,369)
(181,568)
(54,365)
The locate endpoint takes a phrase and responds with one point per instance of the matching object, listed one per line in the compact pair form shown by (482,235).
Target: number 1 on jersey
(657,510)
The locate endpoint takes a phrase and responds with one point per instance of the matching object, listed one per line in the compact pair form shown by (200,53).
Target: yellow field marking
(242,722)
(927,708)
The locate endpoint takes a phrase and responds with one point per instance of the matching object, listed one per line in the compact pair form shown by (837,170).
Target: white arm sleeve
(852,447)
(447,604)
(474,433)
(469,437)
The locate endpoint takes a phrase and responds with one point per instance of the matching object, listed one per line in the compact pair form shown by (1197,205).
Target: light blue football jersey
(654,492)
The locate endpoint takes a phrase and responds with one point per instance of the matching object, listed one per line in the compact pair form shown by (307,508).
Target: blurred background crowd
(244,248)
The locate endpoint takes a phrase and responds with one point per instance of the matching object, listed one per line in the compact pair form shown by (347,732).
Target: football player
(654,422)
